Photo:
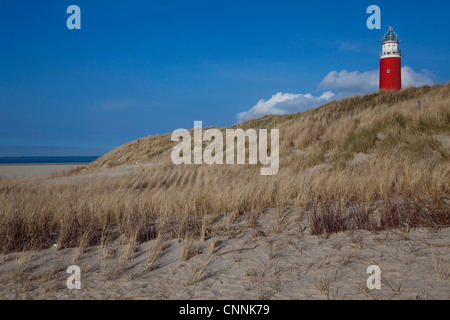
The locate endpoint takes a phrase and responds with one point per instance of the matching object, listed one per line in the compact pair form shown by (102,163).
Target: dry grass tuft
(198,272)
(440,267)
(186,251)
(154,254)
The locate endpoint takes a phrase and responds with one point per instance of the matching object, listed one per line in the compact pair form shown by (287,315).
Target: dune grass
(365,162)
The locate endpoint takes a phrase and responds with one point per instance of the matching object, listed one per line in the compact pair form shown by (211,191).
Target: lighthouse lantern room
(390,62)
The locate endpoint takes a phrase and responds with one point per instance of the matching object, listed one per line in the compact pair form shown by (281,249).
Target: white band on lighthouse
(391,56)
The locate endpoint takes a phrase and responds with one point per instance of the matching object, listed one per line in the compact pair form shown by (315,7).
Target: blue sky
(146,67)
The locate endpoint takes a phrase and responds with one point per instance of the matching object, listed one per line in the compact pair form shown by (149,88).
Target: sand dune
(363,181)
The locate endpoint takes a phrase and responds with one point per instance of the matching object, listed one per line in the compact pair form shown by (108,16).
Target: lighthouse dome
(390,44)
(390,35)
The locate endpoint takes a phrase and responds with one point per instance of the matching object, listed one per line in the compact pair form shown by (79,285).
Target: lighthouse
(390,62)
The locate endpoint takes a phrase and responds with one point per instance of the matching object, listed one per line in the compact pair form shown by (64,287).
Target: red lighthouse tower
(390,62)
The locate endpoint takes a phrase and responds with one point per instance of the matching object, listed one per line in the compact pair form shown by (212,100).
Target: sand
(34,170)
(267,259)
(238,261)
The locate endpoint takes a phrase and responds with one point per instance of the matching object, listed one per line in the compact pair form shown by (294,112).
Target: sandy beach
(238,262)
(34,170)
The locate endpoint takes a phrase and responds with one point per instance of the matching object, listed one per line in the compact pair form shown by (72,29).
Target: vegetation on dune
(366,162)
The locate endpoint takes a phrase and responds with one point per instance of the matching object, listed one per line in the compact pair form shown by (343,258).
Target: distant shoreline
(45,164)
(35,170)
(20,157)
(48,160)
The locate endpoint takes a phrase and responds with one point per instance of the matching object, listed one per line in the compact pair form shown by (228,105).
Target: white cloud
(416,79)
(348,83)
(282,103)
(337,85)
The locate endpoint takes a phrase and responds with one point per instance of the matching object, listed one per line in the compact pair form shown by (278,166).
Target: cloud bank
(349,83)
(336,85)
(410,78)
(282,103)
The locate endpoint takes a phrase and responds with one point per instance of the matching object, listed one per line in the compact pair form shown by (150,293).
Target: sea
(49,159)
